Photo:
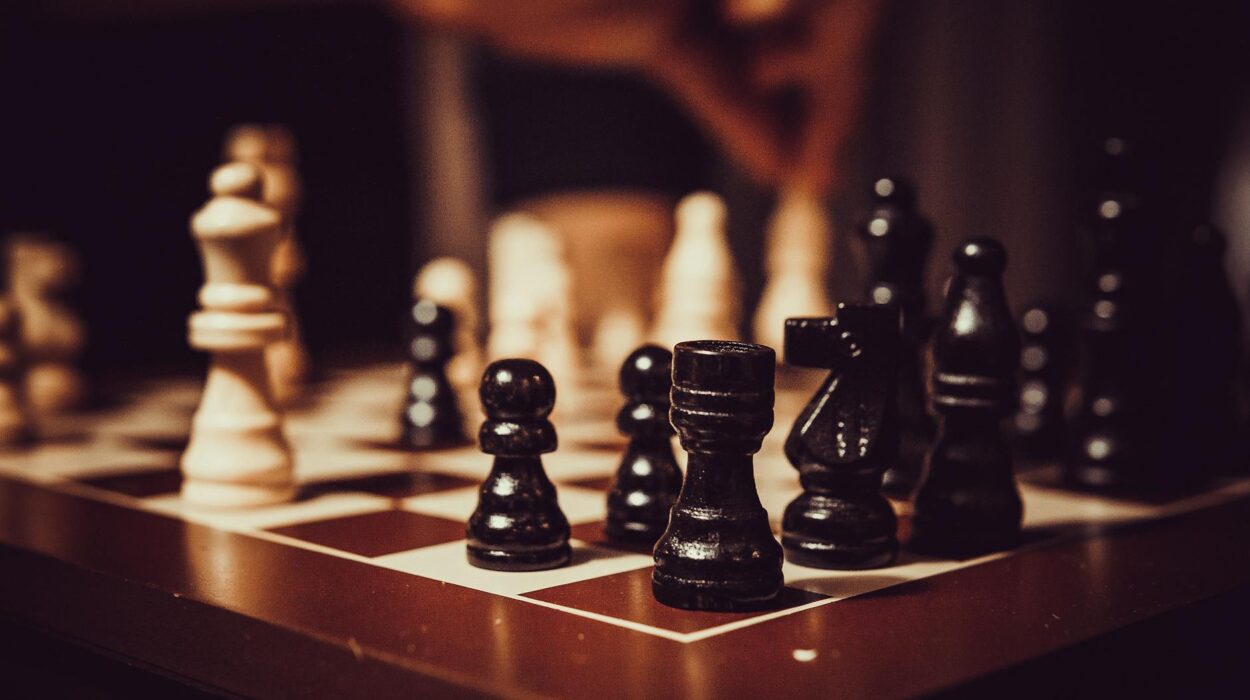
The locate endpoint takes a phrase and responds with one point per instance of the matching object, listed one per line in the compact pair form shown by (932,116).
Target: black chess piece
(1110,446)
(845,439)
(648,479)
(1045,358)
(431,417)
(967,503)
(718,552)
(1105,447)
(518,524)
(898,239)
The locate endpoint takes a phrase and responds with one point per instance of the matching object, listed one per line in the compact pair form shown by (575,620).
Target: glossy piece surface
(648,480)
(898,239)
(431,417)
(518,524)
(718,552)
(845,439)
(967,503)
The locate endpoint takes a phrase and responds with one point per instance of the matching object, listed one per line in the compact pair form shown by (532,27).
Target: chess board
(361,586)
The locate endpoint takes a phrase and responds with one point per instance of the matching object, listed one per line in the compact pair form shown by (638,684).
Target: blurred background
(415,128)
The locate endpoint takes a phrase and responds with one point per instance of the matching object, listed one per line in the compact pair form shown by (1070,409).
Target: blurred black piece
(898,239)
(1038,426)
(431,417)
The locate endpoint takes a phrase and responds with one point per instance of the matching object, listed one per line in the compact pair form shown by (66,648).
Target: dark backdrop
(110,127)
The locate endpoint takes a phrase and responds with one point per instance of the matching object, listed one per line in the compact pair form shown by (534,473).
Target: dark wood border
(263,619)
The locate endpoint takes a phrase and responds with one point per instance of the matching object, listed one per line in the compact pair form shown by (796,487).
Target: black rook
(718,552)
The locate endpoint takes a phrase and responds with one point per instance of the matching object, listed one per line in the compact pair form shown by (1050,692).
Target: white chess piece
(531,297)
(15,421)
(237,456)
(272,149)
(514,251)
(617,334)
(797,264)
(40,271)
(450,282)
(698,297)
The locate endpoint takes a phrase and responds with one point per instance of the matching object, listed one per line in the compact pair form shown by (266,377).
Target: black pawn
(898,240)
(845,439)
(648,480)
(718,552)
(967,503)
(1038,425)
(431,416)
(518,524)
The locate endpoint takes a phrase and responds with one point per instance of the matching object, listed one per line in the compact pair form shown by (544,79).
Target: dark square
(139,484)
(392,485)
(627,596)
(376,534)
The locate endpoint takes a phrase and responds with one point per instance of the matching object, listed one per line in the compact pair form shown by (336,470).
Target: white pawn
(237,456)
(15,422)
(619,331)
(531,298)
(450,282)
(41,270)
(797,264)
(698,297)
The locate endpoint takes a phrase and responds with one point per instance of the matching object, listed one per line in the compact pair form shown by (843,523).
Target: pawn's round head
(647,373)
(981,256)
(237,179)
(517,389)
(246,142)
(432,331)
(432,318)
(894,190)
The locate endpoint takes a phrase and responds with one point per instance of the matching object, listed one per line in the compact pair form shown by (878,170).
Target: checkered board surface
(366,500)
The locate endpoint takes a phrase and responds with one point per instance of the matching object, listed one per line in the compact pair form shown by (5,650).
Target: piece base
(495,559)
(691,595)
(805,551)
(633,531)
(217,495)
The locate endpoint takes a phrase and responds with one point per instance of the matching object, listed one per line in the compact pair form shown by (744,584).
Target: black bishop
(967,503)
